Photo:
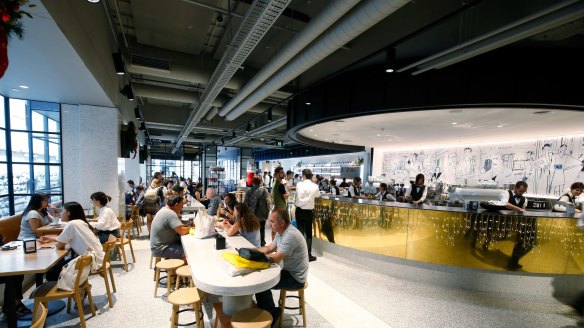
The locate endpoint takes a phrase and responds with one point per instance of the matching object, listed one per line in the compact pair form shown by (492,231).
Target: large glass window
(30,153)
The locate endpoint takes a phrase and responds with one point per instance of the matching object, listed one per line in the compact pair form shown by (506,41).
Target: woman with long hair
(199,192)
(107,222)
(34,216)
(246,223)
(78,234)
(417,193)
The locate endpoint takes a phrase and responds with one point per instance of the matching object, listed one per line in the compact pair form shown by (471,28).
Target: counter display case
(543,242)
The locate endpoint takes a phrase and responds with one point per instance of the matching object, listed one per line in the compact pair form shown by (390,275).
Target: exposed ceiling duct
(258,20)
(349,27)
(268,127)
(334,11)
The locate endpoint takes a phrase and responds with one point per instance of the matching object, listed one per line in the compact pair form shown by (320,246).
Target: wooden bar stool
(183,274)
(185,296)
(301,303)
(170,267)
(251,318)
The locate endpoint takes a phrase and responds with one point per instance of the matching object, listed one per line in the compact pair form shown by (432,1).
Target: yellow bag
(240,262)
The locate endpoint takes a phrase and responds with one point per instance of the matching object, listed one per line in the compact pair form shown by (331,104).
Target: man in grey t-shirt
(290,248)
(167,229)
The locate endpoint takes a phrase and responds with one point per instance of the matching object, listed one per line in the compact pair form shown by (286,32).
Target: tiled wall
(90,153)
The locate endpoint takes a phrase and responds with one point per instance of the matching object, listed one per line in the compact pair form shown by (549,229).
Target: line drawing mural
(549,166)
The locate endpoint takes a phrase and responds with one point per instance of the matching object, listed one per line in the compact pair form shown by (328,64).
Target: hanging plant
(10,25)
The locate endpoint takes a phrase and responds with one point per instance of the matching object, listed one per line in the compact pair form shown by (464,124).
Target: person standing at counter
(417,193)
(333,187)
(306,192)
(514,199)
(355,189)
(290,249)
(526,236)
(344,183)
(279,194)
(570,197)
(290,185)
(384,195)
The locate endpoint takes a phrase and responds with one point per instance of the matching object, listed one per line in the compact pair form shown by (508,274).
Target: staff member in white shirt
(570,197)
(306,192)
(107,222)
(417,193)
(355,188)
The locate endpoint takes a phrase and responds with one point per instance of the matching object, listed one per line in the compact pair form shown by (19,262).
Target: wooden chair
(48,292)
(135,216)
(185,296)
(103,272)
(125,240)
(251,318)
(38,321)
(170,267)
(301,303)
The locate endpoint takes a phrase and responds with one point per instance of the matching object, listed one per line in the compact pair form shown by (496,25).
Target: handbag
(69,272)
(204,225)
(252,255)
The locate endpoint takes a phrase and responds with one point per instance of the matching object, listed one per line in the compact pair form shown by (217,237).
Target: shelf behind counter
(454,236)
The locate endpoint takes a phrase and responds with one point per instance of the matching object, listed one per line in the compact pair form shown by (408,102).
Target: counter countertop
(547,214)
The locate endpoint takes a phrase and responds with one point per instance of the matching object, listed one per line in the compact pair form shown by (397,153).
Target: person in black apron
(355,189)
(526,236)
(417,194)
(383,194)
(570,197)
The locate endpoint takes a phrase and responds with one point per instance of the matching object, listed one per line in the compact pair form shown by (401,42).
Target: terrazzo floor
(338,296)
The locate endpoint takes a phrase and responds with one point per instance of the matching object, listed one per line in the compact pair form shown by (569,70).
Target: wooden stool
(301,303)
(251,318)
(156,260)
(185,296)
(184,274)
(169,266)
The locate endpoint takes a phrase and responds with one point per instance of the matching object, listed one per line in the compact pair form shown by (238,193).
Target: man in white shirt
(526,236)
(306,192)
(355,188)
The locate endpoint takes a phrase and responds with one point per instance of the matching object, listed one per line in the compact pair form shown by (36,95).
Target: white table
(209,272)
(195,206)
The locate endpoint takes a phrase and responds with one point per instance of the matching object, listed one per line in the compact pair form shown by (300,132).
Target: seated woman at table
(198,194)
(107,222)
(246,223)
(34,216)
(78,234)
(226,210)
(570,197)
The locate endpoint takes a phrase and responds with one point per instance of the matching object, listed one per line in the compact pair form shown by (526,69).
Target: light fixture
(390,60)
(248,127)
(118,63)
(308,103)
(142,127)
(137,114)
(270,115)
(23,86)
(233,134)
(453,123)
(93,1)
(127,91)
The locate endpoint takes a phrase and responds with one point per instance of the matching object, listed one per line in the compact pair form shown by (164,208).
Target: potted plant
(10,25)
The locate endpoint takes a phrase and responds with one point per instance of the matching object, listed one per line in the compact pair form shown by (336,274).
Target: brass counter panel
(472,240)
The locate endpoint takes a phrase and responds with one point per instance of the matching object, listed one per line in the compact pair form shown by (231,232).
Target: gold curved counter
(544,242)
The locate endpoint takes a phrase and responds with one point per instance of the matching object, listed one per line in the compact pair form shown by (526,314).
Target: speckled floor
(338,296)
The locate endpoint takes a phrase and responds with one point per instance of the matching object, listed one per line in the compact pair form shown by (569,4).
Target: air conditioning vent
(150,62)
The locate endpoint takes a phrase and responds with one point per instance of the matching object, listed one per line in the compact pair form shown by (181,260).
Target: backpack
(262,208)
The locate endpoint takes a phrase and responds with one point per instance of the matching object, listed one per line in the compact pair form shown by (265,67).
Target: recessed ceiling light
(308,103)
(311,130)
(379,135)
(389,70)
(316,135)
(14,89)
(23,86)
(499,126)
(326,139)
(453,123)
(389,140)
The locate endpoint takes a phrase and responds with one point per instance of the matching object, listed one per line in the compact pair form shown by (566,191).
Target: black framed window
(30,153)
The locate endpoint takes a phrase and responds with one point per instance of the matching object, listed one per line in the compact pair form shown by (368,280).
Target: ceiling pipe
(349,27)
(258,20)
(514,32)
(268,127)
(332,13)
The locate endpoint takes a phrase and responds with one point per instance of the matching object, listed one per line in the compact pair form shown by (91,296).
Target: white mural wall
(549,166)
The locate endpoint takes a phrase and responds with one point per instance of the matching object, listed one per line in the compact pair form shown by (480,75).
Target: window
(30,153)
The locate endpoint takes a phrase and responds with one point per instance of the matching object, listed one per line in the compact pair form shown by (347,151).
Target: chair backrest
(107,248)
(125,229)
(41,312)
(82,262)
(134,211)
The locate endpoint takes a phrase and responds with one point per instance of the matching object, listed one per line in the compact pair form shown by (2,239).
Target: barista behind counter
(569,198)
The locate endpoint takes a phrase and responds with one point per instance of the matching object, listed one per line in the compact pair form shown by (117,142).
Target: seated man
(289,247)
(167,229)
(212,201)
